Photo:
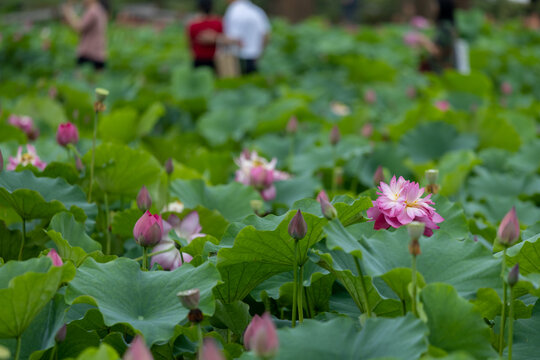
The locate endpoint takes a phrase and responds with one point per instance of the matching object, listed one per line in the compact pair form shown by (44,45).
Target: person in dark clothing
(203,33)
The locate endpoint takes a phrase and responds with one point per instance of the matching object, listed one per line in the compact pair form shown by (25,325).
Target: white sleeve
(265,23)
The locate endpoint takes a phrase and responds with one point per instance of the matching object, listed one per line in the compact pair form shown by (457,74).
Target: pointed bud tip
(144,200)
(169,166)
(297,226)
(513,275)
(508,231)
(328,210)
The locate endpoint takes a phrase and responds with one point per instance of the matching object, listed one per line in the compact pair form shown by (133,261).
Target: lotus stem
(92,163)
(145,259)
(511,324)
(23,239)
(108,222)
(200,335)
(155,253)
(505,300)
(413,274)
(295,283)
(300,295)
(18,351)
(367,308)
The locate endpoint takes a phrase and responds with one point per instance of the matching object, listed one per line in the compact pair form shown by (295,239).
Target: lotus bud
(56,259)
(378,177)
(367,130)
(513,275)
(322,195)
(67,133)
(101,94)
(79,164)
(61,334)
(256,205)
(144,201)
(297,226)
(411,92)
(292,125)
(328,210)
(442,105)
(138,350)
(190,298)
(506,88)
(431,177)
(210,351)
(148,230)
(508,232)
(169,166)
(370,96)
(261,336)
(335,135)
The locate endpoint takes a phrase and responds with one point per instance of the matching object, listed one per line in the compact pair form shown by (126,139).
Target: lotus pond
(211,213)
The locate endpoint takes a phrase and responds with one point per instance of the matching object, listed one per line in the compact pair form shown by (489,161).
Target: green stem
(295,283)
(229,336)
(300,295)
(367,308)
(309,303)
(291,152)
(108,221)
(413,274)
(92,163)
(155,253)
(18,351)
(53,353)
(167,200)
(505,300)
(181,255)
(145,258)
(200,334)
(23,239)
(511,324)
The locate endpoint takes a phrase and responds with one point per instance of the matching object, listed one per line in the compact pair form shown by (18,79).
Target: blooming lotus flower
(261,336)
(29,158)
(339,108)
(370,96)
(210,351)
(26,124)
(400,203)
(138,350)
(506,88)
(256,171)
(508,231)
(297,226)
(171,259)
(67,133)
(56,259)
(442,105)
(148,230)
(420,22)
(412,39)
(189,229)
(144,201)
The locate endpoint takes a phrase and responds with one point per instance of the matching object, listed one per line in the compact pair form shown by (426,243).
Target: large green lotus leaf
(189,84)
(454,168)
(527,254)
(259,254)
(498,132)
(219,126)
(495,207)
(453,323)
(144,300)
(57,169)
(430,141)
(526,336)
(10,243)
(35,198)
(113,164)
(234,316)
(280,147)
(349,210)
(231,200)
(455,223)
(9,132)
(77,340)
(41,332)
(149,118)
(487,184)
(399,338)
(26,288)
(248,95)
(296,188)
(104,352)
(274,117)
(526,159)
(475,83)
(73,231)
(41,108)
(118,126)
(386,155)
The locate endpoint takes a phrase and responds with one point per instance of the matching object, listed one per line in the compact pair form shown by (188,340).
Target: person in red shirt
(204,32)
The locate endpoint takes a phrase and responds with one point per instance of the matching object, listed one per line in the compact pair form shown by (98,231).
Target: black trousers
(204,62)
(98,65)
(248,66)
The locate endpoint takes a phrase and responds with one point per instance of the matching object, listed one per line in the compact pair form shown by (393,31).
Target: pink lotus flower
(367,130)
(400,203)
(261,336)
(148,230)
(26,124)
(29,158)
(67,133)
(144,201)
(442,105)
(256,171)
(370,96)
(411,92)
(56,259)
(508,231)
(210,351)
(506,88)
(420,22)
(138,350)
(412,39)
(322,196)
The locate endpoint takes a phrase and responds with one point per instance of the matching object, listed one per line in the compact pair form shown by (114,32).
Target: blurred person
(92,29)
(247,24)
(204,31)
(348,10)
(532,20)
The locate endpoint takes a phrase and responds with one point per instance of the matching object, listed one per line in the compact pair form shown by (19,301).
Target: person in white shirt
(248,24)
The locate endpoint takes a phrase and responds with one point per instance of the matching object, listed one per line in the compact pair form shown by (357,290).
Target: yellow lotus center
(27,159)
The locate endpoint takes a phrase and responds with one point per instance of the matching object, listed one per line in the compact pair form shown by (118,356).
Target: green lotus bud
(190,298)
(432,176)
(416,229)
(513,275)
(101,94)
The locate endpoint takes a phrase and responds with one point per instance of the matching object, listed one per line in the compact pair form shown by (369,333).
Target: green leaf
(73,231)
(234,316)
(527,254)
(104,352)
(10,243)
(118,126)
(453,323)
(398,338)
(35,198)
(41,108)
(219,126)
(296,188)
(527,336)
(231,200)
(144,300)
(25,289)
(454,168)
(150,118)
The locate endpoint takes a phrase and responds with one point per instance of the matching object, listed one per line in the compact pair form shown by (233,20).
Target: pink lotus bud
(210,351)
(378,177)
(169,166)
(508,232)
(297,226)
(367,130)
(261,336)
(513,275)
(292,125)
(442,105)
(138,350)
(411,92)
(78,163)
(190,298)
(322,195)
(370,96)
(148,230)
(335,135)
(61,334)
(67,133)
(144,201)
(328,210)
(56,259)
(258,176)
(53,92)
(269,193)
(506,88)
